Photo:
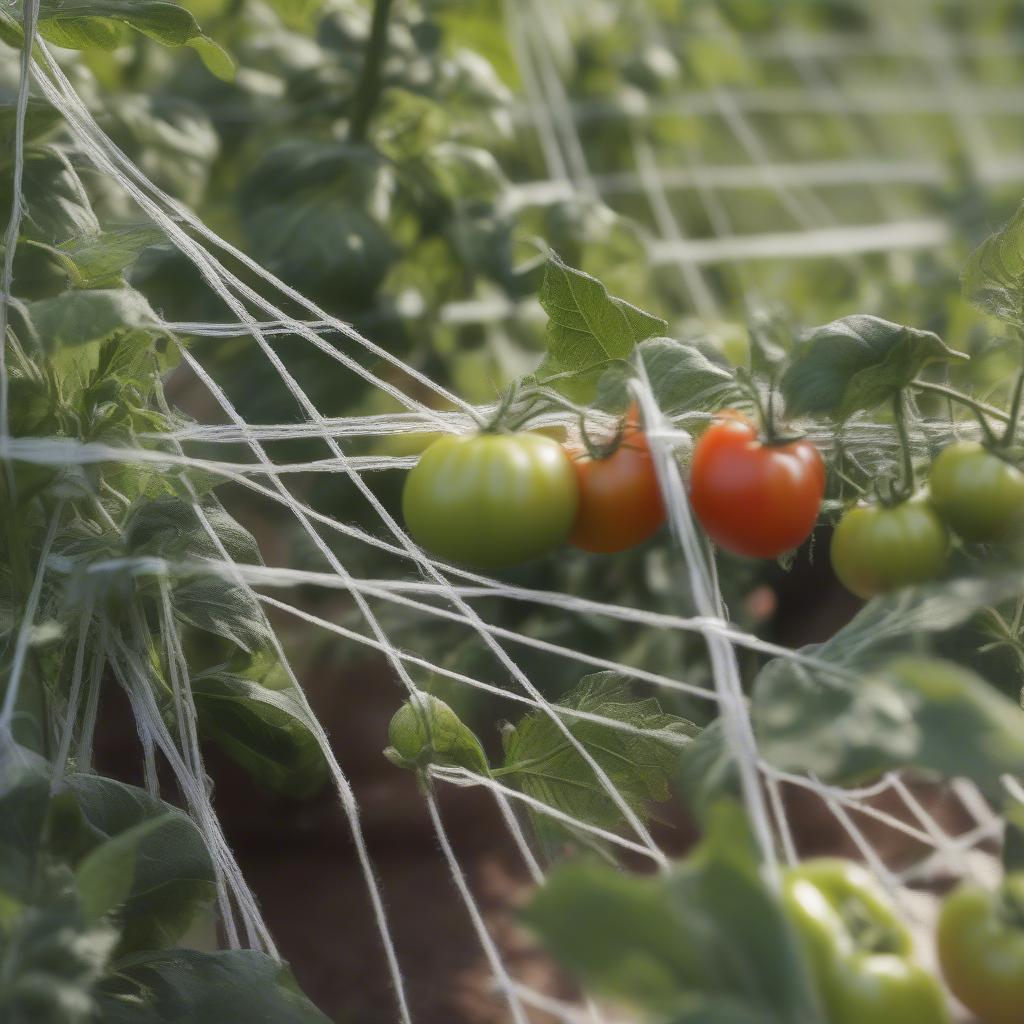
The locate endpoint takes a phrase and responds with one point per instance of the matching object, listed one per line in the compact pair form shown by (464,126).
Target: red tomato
(620,502)
(752,498)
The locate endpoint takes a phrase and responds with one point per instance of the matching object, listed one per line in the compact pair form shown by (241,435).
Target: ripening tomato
(620,500)
(875,549)
(753,498)
(979,494)
(981,949)
(491,500)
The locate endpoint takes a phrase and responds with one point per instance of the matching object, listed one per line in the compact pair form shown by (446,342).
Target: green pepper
(861,954)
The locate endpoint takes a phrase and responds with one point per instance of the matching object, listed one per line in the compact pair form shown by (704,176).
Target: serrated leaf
(82,317)
(912,713)
(993,277)
(855,363)
(98,260)
(707,944)
(205,988)
(587,329)
(682,378)
(264,730)
(544,765)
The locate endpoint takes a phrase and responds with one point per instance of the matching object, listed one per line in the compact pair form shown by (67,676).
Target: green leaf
(544,765)
(587,329)
(993,277)
(429,732)
(319,215)
(297,13)
(79,318)
(707,771)
(111,826)
(171,138)
(40,119)
(106,875)
(223,607)
(169,528)
(407,125)
(182,985)
(682,378)
(913,713)
(87,24)
(24,796)
(857,363)
(98,260)
(264,730)
(56,204)
(708,944)
(53,962)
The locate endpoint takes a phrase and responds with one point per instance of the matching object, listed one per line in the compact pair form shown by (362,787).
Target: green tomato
(875,549)
(981,948)
(491,500)
(860,953)
(979,494)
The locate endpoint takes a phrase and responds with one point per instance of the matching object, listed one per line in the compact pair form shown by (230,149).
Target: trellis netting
(733,172)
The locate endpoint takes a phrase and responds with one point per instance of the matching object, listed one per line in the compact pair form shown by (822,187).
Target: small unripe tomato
(620,500)
(753,498)
(491,500)
(980,936)
(980,495)
(875,549)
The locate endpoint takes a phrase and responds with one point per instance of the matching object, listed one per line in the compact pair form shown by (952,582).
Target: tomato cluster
(494,500)
(971,490)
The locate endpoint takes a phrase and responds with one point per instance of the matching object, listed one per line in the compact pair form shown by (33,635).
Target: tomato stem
(978,408)
(497,422)
(368,88)
(1015,403)
(899,414)
(601,451)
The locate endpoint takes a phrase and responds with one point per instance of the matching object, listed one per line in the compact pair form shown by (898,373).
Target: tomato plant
(755,498)
(981,948)
(491,500)
(620,502)
(877,548)
(978,492)
(861,954)
(374,157)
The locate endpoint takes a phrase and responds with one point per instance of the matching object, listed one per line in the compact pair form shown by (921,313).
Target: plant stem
(1011,427)
(899,413)
(367,90)
(979,408)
